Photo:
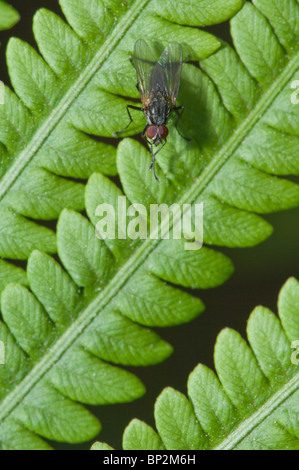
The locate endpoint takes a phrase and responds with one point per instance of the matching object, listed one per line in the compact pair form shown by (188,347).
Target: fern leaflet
(251,405)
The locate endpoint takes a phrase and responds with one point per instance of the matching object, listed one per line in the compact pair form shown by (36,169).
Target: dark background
(259,275)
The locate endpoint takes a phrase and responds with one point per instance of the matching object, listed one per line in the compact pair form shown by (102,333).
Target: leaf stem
(260,415)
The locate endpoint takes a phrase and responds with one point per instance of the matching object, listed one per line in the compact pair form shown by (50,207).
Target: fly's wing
(145,61)
(171,61)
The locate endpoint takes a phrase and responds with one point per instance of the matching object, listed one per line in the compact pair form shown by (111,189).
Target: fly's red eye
(151,132)
(163,131)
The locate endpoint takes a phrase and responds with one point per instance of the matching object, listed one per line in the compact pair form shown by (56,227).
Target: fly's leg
(186,59)
(179,110)
(150,145)
(143,135)
(152,167)
(160,148)
(129,106)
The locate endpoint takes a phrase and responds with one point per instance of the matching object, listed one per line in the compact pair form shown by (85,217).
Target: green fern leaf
(251,405)
(8,16)
(97,307)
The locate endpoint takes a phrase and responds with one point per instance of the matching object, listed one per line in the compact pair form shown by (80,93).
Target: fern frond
(8,16)
(87,313)
(251,405)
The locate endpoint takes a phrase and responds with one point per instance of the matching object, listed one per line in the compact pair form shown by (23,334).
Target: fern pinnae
(57,114)
(80,330)
(8,16)
(265,412)
(221,412)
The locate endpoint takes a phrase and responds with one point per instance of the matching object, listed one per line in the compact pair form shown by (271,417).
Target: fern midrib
(74,91)
(247,426)
(138,258)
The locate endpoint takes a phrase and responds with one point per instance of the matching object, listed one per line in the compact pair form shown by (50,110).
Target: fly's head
(157,134)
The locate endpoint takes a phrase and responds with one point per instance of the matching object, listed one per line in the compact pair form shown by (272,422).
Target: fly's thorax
(158,109)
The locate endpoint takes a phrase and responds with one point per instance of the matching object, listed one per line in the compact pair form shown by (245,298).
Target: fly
(158,83)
